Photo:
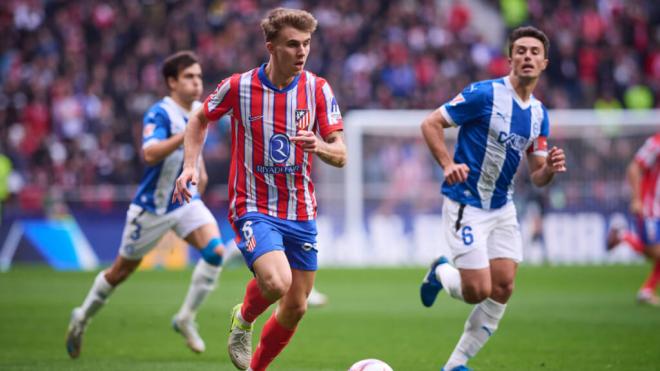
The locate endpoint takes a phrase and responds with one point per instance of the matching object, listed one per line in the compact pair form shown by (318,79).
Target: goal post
(387,157)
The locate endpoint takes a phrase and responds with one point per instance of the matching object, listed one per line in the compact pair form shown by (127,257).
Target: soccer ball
(370,365)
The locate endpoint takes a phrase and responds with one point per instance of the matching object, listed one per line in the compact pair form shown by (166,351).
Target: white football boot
(74,334)
(188,329)
(239,343)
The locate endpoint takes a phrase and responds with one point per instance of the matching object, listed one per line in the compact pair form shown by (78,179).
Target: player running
(152,213)
(499,121)
(644,178)
(276,110)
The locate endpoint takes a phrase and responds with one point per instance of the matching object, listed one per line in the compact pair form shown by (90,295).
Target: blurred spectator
(76,75)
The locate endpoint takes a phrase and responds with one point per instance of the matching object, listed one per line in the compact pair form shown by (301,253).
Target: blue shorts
(648,230)
(259,233)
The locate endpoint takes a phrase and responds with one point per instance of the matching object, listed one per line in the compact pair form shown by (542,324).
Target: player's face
(528,58)
(188,85)
(290,50)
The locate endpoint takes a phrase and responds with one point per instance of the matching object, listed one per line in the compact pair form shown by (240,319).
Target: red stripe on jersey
(248,186)
(301,104)
(648,158)
(236,170)
(258,147)
(280,121)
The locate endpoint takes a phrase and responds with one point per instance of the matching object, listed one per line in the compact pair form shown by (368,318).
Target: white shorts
(143,229)
(481,235)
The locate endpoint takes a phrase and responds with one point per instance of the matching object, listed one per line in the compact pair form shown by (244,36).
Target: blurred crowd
(76,76)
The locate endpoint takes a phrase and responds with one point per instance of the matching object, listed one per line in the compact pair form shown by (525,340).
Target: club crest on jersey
(457,99)
(279,149)
(148,130)
(302,119)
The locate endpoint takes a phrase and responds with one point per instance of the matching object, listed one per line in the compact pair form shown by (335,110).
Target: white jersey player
(499,121)
(152,212)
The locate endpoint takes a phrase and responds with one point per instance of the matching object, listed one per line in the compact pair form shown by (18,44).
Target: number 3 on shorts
(466,234)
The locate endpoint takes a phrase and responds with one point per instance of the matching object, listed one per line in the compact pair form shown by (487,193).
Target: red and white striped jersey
(269,174)
(648,157)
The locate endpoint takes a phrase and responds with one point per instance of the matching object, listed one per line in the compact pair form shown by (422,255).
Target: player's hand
(308,140)
(181,191)
(456,173)
(556,160)
(636,207)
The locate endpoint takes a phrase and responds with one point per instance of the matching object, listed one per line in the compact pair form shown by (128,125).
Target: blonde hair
(279,18)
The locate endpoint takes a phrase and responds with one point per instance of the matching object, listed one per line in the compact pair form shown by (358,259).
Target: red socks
(274,338)
(633,241)
(254,302)
(652,281)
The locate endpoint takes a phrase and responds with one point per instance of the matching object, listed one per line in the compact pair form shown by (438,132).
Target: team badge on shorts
(302,119)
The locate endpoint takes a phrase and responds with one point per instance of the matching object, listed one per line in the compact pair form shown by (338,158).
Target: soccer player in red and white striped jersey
(644,179)
(281,116)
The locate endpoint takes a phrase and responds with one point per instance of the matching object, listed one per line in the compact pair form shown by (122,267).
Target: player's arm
(192,147)
(157,152)
(330,150)
(542,169)
(634,177)
(433,131)
(203,176)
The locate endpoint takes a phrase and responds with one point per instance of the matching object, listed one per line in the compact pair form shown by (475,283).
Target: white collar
(516,97)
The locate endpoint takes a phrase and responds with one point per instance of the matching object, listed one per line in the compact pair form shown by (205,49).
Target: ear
(270,47)
(170,82)
(544,65)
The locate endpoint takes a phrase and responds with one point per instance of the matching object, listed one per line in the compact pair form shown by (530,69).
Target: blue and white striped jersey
(496,129)
(163,120)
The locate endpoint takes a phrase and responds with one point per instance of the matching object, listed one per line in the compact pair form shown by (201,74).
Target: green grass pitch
(560,318)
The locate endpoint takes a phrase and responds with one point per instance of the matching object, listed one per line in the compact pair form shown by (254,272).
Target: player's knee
(295,311)
(502,291)
(474,293)
(118,274)
(212,252)
(275,286)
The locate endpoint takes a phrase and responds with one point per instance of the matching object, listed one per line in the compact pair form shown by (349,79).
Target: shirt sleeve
(539,146)
(328,115)
(219,103)
(467,106)
(155,127)
(648,154)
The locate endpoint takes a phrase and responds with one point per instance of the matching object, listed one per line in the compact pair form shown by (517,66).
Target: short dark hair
(178,62)
(529,31)
(279,18)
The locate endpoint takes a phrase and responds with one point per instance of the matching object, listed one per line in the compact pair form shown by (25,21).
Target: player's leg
(205,237)
(504,253)
(648,230)
(101,289)
(141,232)
(301,253)
(272,280)
(465,230)
(281,326)
(263,250)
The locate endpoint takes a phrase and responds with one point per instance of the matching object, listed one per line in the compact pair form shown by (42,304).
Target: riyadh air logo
(280,148)
(302,119)
(512,140)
